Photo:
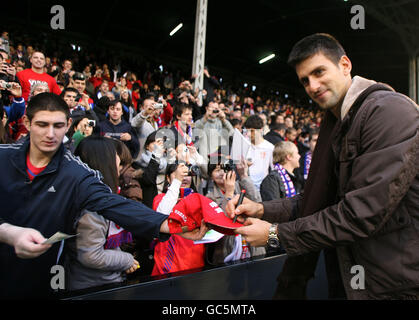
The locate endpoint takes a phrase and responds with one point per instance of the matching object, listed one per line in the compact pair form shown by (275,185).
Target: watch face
(274,243)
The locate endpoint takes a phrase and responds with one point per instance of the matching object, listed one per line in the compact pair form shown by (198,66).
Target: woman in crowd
(223,176)
(94,256)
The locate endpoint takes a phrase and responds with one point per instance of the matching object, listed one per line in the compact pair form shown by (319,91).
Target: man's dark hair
(314,44)
(179,108)
(278,127)
(313,132)
(46,101)
(254,122)
(69,89)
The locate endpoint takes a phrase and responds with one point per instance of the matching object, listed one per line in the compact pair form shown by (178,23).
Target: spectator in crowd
(102,89)
(260,151)
(291,135)
(214,130)
(143,122)
(223,175)
(78,82)
(66,73)
(127,105)
(35,75)
(284,181)
(70,96)
(276,134)
(153,159)
(60,187)
(289,123)
(362,215)
(11,113)
(117,127)
(4,42)
(305,160)
(95,257)
(82,127)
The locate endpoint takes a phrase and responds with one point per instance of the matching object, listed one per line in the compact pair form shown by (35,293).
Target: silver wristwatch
(273,237)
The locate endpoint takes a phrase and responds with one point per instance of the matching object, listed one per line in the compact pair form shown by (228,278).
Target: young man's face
(115,112)
(186,117)
(325,82)
(47,130)
(38,60)
(70,99)
(80,85)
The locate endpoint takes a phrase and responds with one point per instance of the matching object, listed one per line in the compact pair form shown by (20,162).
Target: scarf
(289,185)
(187,138)
(307,163)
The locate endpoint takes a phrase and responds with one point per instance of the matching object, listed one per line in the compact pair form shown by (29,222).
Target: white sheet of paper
(210,236)
(58,237)
(240,146)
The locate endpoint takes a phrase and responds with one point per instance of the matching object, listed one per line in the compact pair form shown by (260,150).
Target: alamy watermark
(358,280)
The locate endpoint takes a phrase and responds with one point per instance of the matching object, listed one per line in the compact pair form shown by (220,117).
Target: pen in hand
(242,193)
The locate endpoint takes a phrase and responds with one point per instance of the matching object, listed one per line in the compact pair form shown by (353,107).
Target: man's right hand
(28,242)
(247,208)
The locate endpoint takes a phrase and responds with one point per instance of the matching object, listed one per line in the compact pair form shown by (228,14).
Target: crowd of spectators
(173,140)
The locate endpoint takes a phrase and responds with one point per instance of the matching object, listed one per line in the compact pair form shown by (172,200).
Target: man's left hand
(255,232)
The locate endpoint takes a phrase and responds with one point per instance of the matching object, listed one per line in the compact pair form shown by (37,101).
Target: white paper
(58,237)
(210,236)
(240,146)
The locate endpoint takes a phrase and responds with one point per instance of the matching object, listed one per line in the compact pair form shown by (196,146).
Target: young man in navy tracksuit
(44,187)
(115,126)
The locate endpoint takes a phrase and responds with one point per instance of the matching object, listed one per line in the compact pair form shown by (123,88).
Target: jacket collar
(19,158)
(358,85)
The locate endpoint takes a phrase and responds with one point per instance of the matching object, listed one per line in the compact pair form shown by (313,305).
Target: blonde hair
(281,150)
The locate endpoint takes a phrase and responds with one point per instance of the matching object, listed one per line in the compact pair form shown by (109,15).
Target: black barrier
(253,279)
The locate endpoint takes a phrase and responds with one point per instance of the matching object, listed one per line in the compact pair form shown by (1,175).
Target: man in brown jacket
(361,200)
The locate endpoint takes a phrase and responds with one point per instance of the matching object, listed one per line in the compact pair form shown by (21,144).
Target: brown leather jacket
(374,222)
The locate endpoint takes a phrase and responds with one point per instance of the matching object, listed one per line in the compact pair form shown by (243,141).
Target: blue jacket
(52,202)
(106,127)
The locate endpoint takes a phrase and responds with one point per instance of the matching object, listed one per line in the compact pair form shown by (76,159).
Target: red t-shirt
(28,78)
(31,170)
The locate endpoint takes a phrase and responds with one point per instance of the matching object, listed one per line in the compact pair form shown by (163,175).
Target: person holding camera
(176,254)
(223,174)
(213,130)
(10,113)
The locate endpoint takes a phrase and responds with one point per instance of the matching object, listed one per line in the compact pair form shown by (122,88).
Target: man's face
(104,87)
(70,99)
(186,117)
(325,82)
(148,103)
(38,60)
(67,65)
(288,122)
(280,119)
(115,112)
(292,135)
(80,85)
(47,130)
(213,106)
